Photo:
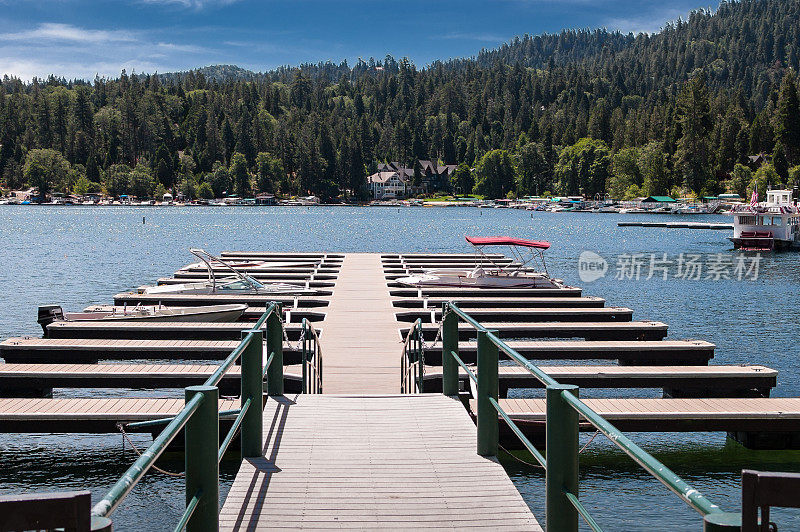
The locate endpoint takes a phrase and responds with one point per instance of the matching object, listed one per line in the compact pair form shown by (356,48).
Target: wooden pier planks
(672,415)
(361,348)
(699,381)
(49,350)
(490,302)
(90,416)
(167,330)
(517,314)
(632,330)
(655,352)
(193,300)
(385,462)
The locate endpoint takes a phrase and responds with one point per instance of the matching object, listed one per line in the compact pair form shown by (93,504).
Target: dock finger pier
(363,403)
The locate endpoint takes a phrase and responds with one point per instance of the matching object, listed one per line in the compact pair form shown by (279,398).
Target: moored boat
(236,282)
(209,313)
(768,225)
(488,273)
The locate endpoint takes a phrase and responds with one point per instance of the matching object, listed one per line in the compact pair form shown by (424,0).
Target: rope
(537,465)
(588,442)
(518,459)
(121,428)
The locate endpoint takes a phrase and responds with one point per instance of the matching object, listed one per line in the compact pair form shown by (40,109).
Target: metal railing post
(275,345)
(488,429)
(562,460)
(253,389)
(449,344)
(202,467)
(305,344)
(420,356)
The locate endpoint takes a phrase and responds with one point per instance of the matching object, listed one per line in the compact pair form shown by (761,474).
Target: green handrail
(487,364)
(190,508)
(135,472)
(251,355)
(666,476)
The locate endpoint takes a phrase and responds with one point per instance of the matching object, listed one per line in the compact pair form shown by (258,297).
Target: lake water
(75,256)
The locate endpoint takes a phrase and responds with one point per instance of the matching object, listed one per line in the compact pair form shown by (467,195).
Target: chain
(438,334)
(299,346)
(121,428)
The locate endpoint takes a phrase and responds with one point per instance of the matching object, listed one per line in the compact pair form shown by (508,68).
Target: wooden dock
(678,225)
(363,456)
(675,381)
(780,415)
(86,416)
(369,463)
(361,343)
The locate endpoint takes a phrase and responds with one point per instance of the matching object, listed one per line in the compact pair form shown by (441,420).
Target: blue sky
(81,38)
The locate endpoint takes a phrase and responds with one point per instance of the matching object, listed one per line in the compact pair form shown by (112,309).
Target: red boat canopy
(506,241)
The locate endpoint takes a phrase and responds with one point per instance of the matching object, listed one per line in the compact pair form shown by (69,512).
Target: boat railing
(260,353)
(563,409)
(412,361)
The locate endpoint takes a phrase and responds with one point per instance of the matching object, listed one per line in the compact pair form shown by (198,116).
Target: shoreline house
(400,179)
(388,184)
(435,176)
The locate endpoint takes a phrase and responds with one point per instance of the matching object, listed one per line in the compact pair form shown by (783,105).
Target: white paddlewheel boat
(772,224)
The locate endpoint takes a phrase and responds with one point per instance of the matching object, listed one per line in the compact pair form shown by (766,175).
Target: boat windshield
(241,284)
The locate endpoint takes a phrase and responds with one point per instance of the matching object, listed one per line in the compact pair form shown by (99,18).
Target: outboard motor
(48,314)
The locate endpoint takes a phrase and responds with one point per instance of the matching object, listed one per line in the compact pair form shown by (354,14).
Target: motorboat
(764,226)
(488,273)
(210,313)
(251,265)
(236,282)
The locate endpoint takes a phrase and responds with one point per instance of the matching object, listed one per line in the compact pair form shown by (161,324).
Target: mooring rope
(540,466)
(121,428)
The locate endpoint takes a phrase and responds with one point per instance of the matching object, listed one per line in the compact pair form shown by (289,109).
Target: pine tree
(787,118)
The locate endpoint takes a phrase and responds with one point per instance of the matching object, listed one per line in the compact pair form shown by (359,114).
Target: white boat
(488,273)
(210,313)
(235,283)
(250,265)
(772,224)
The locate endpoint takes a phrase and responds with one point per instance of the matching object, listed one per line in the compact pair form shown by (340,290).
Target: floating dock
(363,455)
(678,225)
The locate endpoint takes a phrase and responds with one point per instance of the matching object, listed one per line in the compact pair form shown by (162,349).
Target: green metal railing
(199,419)
(563,507)
(412,361)
(311,353)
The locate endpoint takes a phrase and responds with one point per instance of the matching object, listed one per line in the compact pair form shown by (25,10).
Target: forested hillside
(577,112)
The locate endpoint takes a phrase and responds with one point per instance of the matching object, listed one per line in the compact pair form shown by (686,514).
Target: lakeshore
(159,247)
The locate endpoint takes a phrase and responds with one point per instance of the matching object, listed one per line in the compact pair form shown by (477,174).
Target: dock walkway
(379,462)
(362,346)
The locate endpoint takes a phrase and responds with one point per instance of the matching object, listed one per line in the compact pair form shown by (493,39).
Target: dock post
(275,345)
(449,343)
(252,380)
(488,429)
(202,468)
(562,460)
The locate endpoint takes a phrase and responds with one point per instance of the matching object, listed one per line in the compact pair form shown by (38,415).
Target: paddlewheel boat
(488,273)
(773,224)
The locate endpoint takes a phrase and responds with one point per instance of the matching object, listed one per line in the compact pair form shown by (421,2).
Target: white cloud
(51,31)
(473,36)
(74,52)
(193,4)
(652,22)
